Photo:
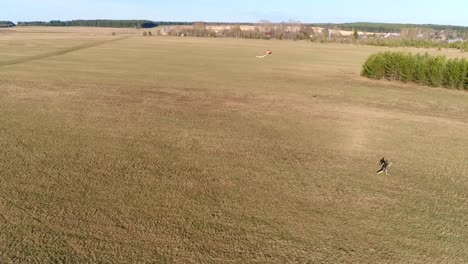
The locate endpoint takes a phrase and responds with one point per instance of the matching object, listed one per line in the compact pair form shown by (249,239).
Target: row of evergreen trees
(94,23)
(4,24)
(435,71)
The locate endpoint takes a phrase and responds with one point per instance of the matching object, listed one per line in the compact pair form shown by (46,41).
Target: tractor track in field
(59,52)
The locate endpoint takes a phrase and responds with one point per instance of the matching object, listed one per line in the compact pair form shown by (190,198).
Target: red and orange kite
(268,52)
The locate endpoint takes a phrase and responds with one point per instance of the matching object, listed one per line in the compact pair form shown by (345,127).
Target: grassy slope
(192,150)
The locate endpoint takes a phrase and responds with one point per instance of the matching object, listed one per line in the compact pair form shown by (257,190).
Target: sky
(453,12)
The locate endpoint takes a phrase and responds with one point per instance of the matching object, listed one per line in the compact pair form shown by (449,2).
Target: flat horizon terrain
(132,149)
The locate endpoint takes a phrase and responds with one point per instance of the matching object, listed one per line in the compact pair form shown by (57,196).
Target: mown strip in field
(59,52)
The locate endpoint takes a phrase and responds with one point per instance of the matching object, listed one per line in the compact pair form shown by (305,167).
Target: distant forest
(4,24)
(102,23)
(390,28)
(359,26)
(94,23)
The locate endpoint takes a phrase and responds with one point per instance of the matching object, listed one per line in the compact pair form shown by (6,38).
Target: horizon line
(243,22)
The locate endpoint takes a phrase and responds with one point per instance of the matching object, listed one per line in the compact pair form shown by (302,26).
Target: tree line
(302,32)
(416,43)
(360,26)
(94,23)
(434,71)
(391,27)
(102,23)
(293,30)
(5,24)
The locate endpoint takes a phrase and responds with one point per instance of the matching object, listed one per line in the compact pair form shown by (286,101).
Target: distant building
(441,35)
(392,35)
(455,40)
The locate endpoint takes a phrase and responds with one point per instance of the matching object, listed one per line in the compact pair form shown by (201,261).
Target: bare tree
(265,26)
(199,29)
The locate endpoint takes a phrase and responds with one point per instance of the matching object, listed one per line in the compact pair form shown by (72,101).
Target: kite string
(268,52)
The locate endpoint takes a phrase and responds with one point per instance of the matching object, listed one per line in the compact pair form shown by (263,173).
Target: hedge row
(435,71)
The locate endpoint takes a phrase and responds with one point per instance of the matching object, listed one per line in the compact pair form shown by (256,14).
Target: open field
(181,150)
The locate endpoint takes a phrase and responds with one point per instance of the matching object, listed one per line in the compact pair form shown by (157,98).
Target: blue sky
(401,11)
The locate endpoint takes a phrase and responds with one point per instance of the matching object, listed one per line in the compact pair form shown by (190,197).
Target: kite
(268,52)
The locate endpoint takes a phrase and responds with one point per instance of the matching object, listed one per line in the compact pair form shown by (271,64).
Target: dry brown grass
(193,151)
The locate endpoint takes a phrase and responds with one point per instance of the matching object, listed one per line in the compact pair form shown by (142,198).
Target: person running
(383,166)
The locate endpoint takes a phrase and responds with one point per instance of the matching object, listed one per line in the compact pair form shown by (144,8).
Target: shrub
(407,66)
(374,67)
(435,71)
(466,74)
(420,68)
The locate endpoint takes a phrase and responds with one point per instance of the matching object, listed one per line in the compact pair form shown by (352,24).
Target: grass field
(181,150)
